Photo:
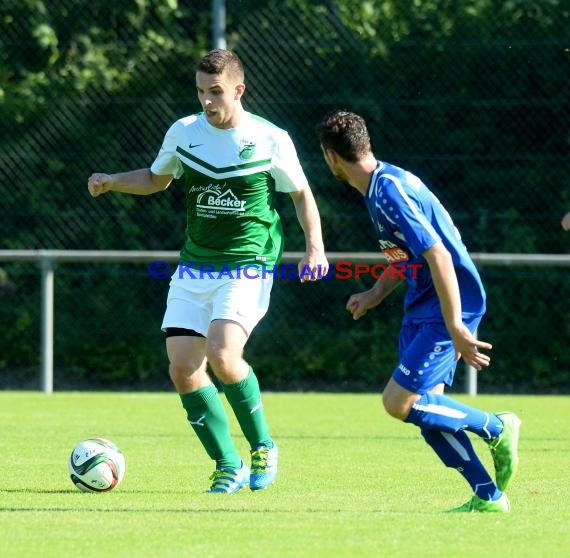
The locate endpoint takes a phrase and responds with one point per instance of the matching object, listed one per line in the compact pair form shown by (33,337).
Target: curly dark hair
(219,60)
(346,133)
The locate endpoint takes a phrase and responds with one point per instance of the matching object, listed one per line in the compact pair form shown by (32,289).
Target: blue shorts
(427,355)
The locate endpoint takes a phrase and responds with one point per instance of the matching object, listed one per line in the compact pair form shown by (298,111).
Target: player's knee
(177,371)
(179,376)
(221,360)
(394,407)
(184,375)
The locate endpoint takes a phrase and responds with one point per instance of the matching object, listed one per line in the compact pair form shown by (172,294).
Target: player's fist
(98,184)
(356,307)
(566,222)
(358,304)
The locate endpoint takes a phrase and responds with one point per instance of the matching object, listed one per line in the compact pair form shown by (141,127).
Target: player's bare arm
(141,182)
(314,259)
(447,288)
(358,304)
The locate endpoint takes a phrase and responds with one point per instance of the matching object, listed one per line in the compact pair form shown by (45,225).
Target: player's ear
(239,91)
(331,155)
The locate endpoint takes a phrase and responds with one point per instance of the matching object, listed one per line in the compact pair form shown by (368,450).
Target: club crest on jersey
(246,149)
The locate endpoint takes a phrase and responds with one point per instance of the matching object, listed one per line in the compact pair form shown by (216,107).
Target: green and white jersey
(231,178)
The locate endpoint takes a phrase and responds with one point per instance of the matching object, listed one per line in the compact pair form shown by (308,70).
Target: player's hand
(566,222)
(467,346)
(313,266)
(98,184)
(358,304)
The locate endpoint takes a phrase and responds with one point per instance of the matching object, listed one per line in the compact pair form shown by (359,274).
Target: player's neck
(360,173)
(238,115)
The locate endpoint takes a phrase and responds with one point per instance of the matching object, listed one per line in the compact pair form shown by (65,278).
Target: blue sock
(440,412)
(456,451)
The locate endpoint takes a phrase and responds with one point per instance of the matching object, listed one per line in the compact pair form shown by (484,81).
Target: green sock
(245,399)
(208,418)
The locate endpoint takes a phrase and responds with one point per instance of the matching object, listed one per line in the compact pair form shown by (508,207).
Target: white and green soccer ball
(96,465)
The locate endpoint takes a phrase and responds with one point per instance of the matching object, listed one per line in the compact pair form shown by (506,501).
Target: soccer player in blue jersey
(444,304)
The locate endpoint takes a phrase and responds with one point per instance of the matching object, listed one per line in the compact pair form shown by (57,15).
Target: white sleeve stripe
(423,221)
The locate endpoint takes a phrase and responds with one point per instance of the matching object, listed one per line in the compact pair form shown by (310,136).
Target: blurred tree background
(472,96)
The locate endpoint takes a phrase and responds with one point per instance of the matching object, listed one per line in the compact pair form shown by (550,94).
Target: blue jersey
(409,219)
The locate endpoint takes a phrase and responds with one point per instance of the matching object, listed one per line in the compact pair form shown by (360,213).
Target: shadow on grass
(189,510)
(37,491)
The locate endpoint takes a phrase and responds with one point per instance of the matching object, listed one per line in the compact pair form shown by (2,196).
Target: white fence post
(471,377)
(47,270)
(219,23)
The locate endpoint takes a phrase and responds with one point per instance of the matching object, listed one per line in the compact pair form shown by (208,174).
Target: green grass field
(353,482)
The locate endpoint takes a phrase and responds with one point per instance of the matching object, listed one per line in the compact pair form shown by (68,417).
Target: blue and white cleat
(263,467)
(228,481)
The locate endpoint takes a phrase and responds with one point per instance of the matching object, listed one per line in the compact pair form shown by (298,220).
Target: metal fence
(48,260)
(473,97)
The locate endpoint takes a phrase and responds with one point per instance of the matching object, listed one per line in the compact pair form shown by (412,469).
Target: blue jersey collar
(379,167)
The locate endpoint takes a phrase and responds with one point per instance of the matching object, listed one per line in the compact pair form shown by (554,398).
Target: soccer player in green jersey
(233,164)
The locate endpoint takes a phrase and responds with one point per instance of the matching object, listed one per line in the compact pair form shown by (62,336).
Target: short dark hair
(346,133)
(219,60)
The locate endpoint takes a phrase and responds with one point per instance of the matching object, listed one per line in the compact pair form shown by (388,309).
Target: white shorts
(194,303)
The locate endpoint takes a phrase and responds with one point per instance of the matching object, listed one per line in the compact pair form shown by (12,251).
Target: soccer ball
(96,465)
